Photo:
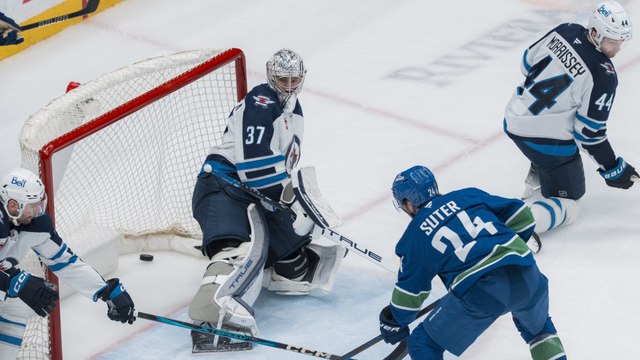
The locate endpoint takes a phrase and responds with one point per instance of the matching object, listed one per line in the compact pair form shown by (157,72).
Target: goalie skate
(204,343)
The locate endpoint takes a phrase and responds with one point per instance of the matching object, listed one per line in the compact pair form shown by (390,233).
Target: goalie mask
(417,185)
(610,21)
(285,74)
(27,190)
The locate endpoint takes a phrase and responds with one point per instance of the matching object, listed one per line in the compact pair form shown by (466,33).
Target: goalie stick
(330,234)
(91,6)
(378,338)
(237,336)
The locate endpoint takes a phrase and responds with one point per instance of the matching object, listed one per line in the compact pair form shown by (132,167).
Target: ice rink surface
(390,85)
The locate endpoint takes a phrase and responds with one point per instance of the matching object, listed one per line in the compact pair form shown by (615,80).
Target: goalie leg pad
(230,286)
(324,262)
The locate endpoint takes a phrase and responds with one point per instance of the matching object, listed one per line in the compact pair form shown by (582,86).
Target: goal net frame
(206,62)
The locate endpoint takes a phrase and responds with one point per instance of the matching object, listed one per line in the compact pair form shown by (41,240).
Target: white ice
(363,126)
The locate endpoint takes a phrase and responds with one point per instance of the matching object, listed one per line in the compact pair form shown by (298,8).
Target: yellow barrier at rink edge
(34,36)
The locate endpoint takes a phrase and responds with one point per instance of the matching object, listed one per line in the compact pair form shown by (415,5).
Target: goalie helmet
(610,20)
(27,190)
(286,73)
(417,184)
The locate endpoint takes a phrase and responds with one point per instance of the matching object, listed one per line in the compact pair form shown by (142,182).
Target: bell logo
(18,182)
(603,10)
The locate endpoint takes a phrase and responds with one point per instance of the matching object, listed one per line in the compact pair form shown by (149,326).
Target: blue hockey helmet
(417,184)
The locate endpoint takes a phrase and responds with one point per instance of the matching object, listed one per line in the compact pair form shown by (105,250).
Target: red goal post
(119,156)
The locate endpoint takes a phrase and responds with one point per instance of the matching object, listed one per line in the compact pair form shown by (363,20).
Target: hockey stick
(399,353)
(377,339)
(326,232)
(236,336)
(91,6)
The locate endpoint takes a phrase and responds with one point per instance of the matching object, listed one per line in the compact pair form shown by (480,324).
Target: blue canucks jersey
(566,97)
(262,140)
(458,236)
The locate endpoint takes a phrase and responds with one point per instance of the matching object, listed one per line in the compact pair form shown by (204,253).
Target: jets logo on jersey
(263,101)
(609,68)
(292,154)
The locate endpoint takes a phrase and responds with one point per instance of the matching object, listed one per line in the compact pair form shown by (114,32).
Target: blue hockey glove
(120,305)
(391,331)
(620,175)
(37,293)
(10,31)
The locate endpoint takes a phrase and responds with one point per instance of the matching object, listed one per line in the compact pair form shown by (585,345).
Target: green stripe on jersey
(521,219)
(408,301)
(548,349)
(515,246)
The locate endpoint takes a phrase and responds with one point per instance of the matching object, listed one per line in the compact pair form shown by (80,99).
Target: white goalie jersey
(566,97)
(262,140)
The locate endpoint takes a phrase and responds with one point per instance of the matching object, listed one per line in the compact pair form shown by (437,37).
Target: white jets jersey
(39,236)
(262,140)
(566,96)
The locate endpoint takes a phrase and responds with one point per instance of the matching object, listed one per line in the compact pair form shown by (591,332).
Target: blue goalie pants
(459,319)
(221,212)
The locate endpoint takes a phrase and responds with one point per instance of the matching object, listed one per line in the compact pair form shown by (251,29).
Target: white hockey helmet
(26,189)
(286,73)
(610,20)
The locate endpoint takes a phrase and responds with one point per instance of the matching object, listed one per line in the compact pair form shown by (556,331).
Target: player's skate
(534,243)
(531,183)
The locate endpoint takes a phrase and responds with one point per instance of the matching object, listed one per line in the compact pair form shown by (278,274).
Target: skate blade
(224,345)
(534,243)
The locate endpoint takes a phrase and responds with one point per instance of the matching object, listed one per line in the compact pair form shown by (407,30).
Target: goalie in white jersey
(26,226)
(260,149)
(562,107)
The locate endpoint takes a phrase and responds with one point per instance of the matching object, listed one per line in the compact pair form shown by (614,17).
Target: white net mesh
(137,174)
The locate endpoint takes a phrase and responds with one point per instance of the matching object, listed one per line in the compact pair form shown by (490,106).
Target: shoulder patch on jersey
(609,68)
(263,101)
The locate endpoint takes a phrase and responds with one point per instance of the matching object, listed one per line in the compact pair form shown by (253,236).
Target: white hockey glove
(303,224)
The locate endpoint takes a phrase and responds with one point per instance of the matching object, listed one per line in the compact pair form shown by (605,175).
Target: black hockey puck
(146,257)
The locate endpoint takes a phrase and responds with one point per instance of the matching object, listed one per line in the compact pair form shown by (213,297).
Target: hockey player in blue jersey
(475,243)
(26,226)
(10,33)
(562,107)
(261,148)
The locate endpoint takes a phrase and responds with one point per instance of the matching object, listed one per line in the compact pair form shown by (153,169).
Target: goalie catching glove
(120,305)
(39,294)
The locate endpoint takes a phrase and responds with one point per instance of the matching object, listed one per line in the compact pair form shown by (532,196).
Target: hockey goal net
(119,156)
